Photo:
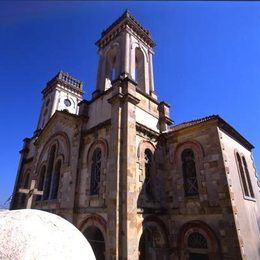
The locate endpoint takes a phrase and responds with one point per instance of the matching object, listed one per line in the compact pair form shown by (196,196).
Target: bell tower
(62,92)
(126,48)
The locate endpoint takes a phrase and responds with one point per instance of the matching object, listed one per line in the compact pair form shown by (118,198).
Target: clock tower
(62,92)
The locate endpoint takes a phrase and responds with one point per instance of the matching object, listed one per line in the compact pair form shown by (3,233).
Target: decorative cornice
(146,131)
(65,80)
(147,96)
(126,20)
(116,97)
(130,98)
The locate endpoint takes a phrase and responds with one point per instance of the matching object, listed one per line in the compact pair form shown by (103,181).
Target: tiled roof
(193,122)
(221,123)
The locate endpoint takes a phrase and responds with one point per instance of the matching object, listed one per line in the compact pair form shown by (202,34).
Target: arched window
(189,173)
(145,244)
(139,69)
(251,192)
(245,177)
(148,159)
(95,172)
(196,240)
(242,174)
(56,180)
(47,184)
(197,246)
(96,240)
(113,68)
(41,181)
(112,65)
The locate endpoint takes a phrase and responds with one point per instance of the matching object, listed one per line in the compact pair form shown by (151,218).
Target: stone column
(128,187)
(126,53)
(113,191)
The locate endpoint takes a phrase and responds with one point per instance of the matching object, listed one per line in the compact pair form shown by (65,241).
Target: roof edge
(221,123)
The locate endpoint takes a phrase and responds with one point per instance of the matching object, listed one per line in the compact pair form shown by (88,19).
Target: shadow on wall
(150,198)
(154,242)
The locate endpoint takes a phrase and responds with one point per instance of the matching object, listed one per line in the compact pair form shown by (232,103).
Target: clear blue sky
(207,61)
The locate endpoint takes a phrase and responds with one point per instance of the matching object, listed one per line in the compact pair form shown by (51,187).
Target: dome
(35,234)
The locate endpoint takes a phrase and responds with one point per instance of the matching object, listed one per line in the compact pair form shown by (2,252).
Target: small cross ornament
(32,191)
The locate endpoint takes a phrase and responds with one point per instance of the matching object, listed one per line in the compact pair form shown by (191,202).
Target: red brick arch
(100,143)
(190,144)
(56,138)
(144,144)
(214,251)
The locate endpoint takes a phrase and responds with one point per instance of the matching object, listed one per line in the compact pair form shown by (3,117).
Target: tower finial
(127,12)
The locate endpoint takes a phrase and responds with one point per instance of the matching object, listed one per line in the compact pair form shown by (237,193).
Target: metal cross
(32,191)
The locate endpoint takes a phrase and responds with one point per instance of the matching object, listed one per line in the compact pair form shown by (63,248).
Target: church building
(136,185)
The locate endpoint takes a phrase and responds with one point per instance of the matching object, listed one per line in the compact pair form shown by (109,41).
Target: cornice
(54,84)
(141,129)
(122,23)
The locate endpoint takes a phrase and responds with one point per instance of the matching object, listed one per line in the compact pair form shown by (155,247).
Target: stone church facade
(136,185)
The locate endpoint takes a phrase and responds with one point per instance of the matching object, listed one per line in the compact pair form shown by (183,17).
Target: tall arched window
(113,69)
(242,175)
(148,159)
(145,244)
(95,172)
(189,173)
(97,241)
(112,65)
(245,178)
(251,192)
(41,181)
(47,184)
(56,180)
(139,69)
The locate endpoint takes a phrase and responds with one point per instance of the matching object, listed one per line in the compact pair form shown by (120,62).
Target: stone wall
(211,209)
(246,209)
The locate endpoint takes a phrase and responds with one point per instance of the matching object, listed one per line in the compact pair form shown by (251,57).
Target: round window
(67,102)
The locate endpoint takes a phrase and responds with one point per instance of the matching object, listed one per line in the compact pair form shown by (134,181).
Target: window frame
(244,177)
(183,174)
(94,168)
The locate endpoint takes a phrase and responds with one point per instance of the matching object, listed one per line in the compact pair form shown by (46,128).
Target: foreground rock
(35,234)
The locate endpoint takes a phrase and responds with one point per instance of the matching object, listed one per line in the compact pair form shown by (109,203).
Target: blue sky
(207,61)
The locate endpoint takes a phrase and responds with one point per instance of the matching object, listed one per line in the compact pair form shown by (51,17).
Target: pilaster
(113,192)
(128,186)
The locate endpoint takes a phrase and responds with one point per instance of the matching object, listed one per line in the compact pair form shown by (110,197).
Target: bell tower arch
(125,49)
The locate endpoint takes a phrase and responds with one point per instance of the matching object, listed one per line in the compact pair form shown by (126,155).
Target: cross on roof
(31,191)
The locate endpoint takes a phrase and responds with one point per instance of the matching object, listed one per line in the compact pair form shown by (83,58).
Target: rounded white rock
(34,234)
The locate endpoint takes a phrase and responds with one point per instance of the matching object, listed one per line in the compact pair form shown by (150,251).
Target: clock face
(67,102)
